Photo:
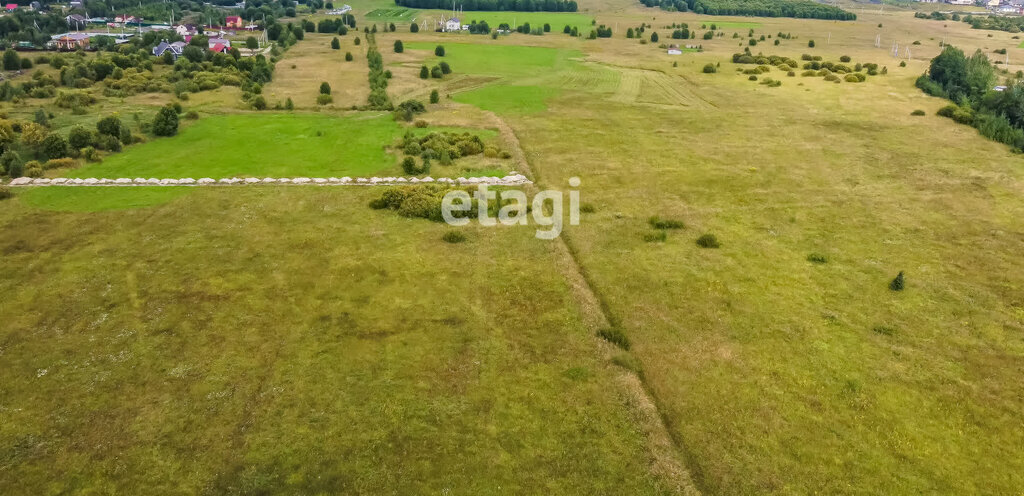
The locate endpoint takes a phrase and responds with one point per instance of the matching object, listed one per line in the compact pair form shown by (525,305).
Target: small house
(673,49)
(75,21)
(174,49)
(11,7)
(452,24)
(185,30)
(73,41)
(212,42)
(233,22)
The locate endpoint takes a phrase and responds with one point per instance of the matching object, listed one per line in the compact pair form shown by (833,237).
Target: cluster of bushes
(436,72)
(479,27)
(422,202)
(339,25)
(52,150)
(445,147)
(759,8)
(408,109)
(493,5)
(783,63)
(968,82)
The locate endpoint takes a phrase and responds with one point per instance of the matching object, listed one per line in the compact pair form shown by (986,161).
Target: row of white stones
(511,179)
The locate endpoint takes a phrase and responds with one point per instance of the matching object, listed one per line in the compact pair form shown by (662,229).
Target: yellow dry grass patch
(307,64)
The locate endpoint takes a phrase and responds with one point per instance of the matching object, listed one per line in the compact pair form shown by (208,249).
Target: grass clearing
(499,60)
(398,14)
(265,144)
(508,99)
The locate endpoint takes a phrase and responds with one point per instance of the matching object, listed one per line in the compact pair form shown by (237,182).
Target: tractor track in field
(669,458)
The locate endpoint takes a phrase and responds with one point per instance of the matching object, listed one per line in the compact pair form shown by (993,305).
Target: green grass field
(313,145)
(507,99)
(499,60)
(397,14)
(260,145)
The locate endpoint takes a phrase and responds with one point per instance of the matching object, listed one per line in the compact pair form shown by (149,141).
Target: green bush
(615,336)
(708,241)
(918,112)
(324,99)
(659,236)
(439,51)
(817,258)
(710,69)
(884,330)
(660,223)
(434,96)
(453,237)
(60,163)
(5,193)
(898,283)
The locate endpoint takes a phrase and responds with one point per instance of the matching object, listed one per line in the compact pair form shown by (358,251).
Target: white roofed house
(453,24)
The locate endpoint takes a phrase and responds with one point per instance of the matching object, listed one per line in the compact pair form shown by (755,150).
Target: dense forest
(968,82)
(761,8)
(489,5)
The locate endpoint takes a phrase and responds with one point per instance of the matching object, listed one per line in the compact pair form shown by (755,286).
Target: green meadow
(397,14)
(508,99)
(267,144)
(500,60)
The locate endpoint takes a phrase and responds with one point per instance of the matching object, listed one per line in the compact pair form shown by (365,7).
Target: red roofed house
(233,22)
(11,7)
(218,48)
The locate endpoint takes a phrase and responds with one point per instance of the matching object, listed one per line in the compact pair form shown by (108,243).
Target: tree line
(493,5)
(968,83)
(803,9)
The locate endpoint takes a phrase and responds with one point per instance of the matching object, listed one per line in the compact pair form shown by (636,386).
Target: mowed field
(292,340)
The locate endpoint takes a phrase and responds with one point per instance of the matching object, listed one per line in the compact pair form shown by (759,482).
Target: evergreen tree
(325,89)
(654,37)
(335,44)
(898,283)
(439,51)
(424,72)
(434,97)
(414,28)
(399,48)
